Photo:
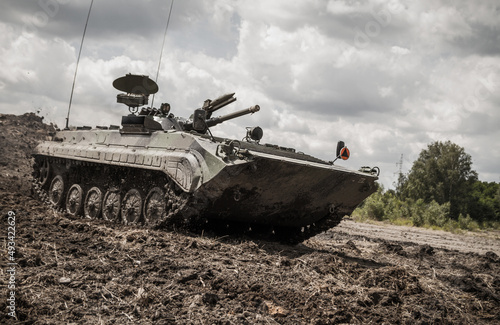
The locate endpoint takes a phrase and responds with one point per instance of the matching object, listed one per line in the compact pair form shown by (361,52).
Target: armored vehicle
(164,171)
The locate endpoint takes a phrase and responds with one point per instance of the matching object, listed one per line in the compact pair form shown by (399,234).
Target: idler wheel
(111,205)
(154,206)
(56,191)
(131,208)
(74,199)
(93,203)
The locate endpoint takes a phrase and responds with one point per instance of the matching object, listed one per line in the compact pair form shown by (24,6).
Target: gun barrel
(220,119)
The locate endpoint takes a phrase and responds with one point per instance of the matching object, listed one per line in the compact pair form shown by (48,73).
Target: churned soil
(80,271)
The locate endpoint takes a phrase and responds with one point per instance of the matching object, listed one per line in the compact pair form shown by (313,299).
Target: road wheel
(56,191)
(111,205)
(93,203)
(131,208)
(74,200)
(154,206)
(43,172)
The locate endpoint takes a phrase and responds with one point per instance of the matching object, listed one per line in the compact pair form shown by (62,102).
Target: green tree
(442,173)
(399,185)
(484,204)
(497,210)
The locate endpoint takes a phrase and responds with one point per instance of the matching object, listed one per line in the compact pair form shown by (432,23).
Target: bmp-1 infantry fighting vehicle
(164,171)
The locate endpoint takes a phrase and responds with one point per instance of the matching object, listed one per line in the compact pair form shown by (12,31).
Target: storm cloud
(387,77)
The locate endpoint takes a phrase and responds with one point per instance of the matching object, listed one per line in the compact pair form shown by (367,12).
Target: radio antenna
(162,46)
(76,69)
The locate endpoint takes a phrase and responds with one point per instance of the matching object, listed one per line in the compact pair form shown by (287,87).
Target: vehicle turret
(139,87)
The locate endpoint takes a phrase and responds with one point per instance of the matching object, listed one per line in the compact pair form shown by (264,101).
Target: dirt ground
(367,234)
(79,271)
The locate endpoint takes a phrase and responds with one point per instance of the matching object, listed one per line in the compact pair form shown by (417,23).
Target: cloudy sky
(387,77)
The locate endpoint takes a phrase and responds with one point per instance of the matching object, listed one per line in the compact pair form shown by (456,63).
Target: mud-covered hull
(284,192)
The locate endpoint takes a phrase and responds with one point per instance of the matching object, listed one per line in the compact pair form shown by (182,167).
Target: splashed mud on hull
(285,193)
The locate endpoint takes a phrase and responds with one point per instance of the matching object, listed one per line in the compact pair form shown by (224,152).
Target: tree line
(440,190)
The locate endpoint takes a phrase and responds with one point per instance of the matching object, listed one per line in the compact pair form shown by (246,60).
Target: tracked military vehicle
(164,171)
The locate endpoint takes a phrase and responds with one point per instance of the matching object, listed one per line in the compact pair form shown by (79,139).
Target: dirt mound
(80,271)
(19,136)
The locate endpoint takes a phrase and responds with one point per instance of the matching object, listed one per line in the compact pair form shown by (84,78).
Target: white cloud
(385,91)
(400,50)
(340,7)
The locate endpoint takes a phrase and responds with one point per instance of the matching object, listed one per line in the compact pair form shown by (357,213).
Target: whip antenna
(77,62)
(163,45)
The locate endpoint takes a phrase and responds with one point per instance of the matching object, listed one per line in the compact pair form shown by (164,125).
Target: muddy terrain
(80,271)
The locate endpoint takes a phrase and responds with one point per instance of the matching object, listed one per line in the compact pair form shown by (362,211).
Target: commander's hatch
(137,89)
